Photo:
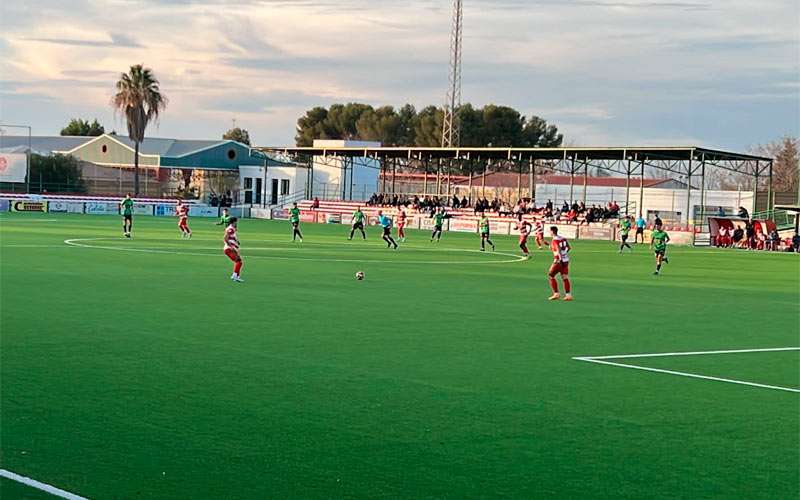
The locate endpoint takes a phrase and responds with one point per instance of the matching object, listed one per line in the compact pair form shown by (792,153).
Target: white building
(277,183)
(339,178)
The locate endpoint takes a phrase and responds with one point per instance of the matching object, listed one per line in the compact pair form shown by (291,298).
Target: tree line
(491,125)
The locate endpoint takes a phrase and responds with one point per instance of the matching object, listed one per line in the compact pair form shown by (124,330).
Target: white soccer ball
(359,275)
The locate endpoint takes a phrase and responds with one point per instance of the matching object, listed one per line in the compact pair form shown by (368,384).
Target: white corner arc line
(602,360)
(40,486)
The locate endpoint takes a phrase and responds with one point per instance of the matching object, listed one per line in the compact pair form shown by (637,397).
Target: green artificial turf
(140,370)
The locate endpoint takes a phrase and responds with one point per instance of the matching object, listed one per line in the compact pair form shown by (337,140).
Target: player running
(231,248)
(294,218)
(225,219)
(401,224)
(483,225)
(438,222)
(658,242)
(524,229)
(624,228)
(126,207)
(386,222)
(560,248)
(538,231)
(182,211)
(357,223)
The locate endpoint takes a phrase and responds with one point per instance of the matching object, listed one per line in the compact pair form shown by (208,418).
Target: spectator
(315,204)
(565,206)
(774,240)
(721,212)
(464,202)
(796,242)
(658,221)
(214,202)
(750,233)
(743,213)
(738,236)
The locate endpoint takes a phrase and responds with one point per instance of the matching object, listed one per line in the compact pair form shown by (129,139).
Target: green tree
(78,126)
(312,126)
(140,100)
(382,124)
(428,127)
(537,133)
(56,173)
(237,134)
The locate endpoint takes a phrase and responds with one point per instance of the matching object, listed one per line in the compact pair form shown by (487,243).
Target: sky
(713,73)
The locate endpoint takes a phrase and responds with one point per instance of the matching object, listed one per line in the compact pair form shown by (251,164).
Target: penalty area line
(40,485)
(603,360)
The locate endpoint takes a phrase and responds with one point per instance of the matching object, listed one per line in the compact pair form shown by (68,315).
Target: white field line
(80,242)
(40,486)
(601,360)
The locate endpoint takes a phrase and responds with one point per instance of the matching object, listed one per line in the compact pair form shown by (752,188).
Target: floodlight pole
(585,178)
(628,188)
(755,190)
(703,218)
(770,192)
(641,191)
(689,195)
(572,180)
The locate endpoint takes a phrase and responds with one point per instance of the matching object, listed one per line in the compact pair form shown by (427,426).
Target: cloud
(623,71)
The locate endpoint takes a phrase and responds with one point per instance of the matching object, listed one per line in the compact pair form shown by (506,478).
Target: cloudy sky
(718,73)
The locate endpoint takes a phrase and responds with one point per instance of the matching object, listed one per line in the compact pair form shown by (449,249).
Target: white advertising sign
(65,207)
(98,208)
(463,226)
(203,211)
(13,167)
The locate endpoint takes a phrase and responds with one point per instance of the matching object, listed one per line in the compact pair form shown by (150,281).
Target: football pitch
(136,368)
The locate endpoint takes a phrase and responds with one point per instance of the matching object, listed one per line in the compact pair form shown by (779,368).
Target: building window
(104,149)
(284,186)
(248,183)
(231,154)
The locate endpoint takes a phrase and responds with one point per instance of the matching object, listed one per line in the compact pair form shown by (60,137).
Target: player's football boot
(555,296)
(568,298)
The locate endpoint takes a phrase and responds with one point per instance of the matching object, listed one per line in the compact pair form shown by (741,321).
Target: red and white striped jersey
(182,211)
(560,248)
(524,228)
(401,217)
(231,239)
(539,229)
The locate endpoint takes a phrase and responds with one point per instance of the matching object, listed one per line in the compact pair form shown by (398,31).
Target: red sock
(524,248)
(554,285)
(567,285)
(237,267)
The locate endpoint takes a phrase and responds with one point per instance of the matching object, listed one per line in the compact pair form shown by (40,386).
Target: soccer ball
(359,275)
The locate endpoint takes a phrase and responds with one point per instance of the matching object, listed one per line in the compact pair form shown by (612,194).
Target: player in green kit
(483,224)
(294,218)
(126,207)
(658,242)
(357,223)
(225,219)
(438,221)
(624,228)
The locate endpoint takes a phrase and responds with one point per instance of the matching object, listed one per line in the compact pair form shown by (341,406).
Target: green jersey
(127,206)
(294,215)
(224,220)
(625,226)
(484,224)
(659,240)
(438,219)
(358,217)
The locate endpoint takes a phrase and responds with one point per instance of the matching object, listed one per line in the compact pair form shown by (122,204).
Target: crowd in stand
(223,200)
(577,212)
(748,238)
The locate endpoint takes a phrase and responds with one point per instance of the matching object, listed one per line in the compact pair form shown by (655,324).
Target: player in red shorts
(182,211)
(231,249)
(538,232)
(401,224)
(524,229)
(560,248)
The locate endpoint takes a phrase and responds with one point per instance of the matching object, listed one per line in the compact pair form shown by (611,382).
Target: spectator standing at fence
(749,232)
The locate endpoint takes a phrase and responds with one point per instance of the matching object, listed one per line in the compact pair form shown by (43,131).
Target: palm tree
(139,98)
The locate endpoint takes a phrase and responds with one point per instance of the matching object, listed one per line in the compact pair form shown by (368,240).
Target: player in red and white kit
(401,224)
(182,211)
(538,231)
(231,249)
(524,229)
(560,248)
